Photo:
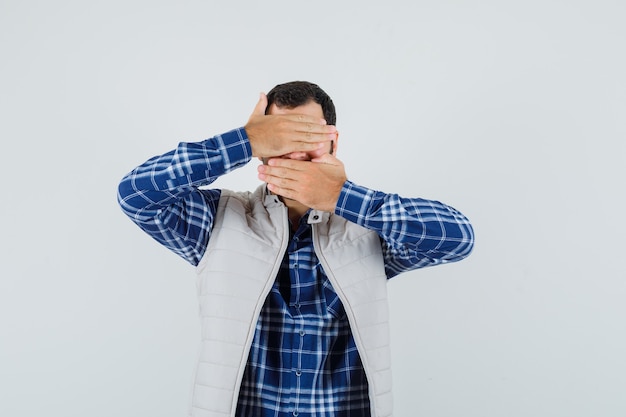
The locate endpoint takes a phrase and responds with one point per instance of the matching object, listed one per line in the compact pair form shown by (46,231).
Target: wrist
(352,200)
(235,147)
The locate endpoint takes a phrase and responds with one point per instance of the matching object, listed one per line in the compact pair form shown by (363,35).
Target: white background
(514,112)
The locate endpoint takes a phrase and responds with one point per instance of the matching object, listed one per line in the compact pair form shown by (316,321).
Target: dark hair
(297,93)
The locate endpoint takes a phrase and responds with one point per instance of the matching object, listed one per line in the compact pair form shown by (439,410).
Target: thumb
(259,109)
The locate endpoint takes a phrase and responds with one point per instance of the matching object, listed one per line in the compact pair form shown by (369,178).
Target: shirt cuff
(236,148)
(354,202)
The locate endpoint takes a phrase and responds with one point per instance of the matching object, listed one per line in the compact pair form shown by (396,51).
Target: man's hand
(276,135)
(316,183)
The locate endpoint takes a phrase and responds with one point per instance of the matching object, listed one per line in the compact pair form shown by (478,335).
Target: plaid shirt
(303,360)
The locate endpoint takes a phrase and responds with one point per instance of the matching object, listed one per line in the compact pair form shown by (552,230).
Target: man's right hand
(276,135)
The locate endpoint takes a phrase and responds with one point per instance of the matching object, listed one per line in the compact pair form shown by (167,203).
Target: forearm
(164,179)
(415,232)
(162,197)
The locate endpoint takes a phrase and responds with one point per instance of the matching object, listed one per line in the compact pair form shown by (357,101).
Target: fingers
(317,138)
(282,172)
(278,169)
(314,184)
(304,147)
(283,192)
(311,125)
(305,118)
(279,166)
(307,129)
(261,105)
(280,181)
(280,134)
(292,135)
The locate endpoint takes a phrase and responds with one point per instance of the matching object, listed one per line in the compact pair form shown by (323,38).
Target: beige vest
(248,241)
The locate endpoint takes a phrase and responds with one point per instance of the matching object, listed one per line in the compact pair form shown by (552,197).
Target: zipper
(257,311)
(349,313)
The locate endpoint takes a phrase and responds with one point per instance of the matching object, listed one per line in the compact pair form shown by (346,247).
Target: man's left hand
(316,183)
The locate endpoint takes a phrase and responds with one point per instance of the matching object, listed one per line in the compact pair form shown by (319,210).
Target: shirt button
(295,265)
(302,333)
(297,305)
(295,413)
(298,373)
(316,217)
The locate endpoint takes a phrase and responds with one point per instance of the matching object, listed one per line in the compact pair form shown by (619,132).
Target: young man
(291,277)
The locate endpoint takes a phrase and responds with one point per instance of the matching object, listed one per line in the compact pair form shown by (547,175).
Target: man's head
(302,97)
(297,93)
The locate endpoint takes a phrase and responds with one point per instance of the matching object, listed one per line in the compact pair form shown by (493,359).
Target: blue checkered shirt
(303,360)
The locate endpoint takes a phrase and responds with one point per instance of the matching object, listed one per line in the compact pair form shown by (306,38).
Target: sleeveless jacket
(249,238)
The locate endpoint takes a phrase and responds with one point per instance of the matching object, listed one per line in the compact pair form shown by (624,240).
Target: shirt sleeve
(162,196)
(414,232)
